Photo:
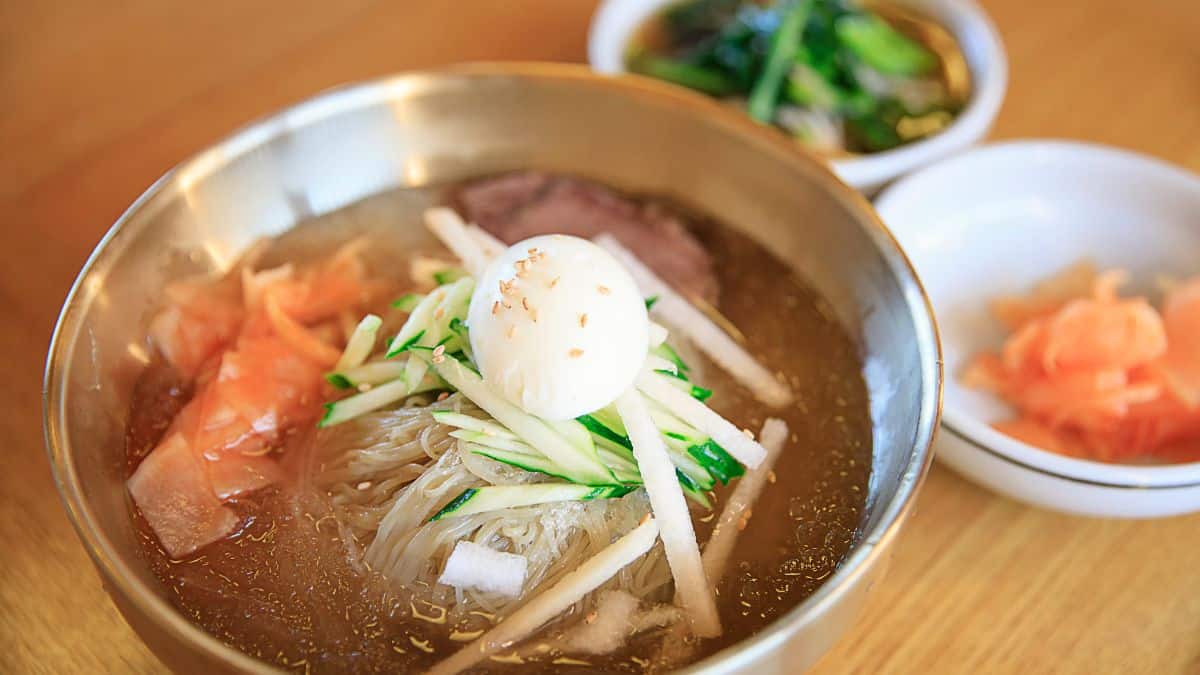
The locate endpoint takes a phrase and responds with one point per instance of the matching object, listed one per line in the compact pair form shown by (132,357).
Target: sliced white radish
(360,344)
(554,600)
(725,532)
(491,246)
(452,231)
(692,589)
(743,448)
(583,467)
(472,565)
(708,336)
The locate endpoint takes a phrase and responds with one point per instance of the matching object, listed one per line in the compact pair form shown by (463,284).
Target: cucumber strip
(718,463)
(416,325)
(497,442)
(700,416)
(449,275)
(692,589)
(408,302)
(360,344)
(667,352)
(623,467)
(428,323)
(681,383)
(469,423)
(338,380)
(695,474)
(496,497)
(580,464)
(521,460)
(385,394)
(415,370)
(604,431)
(658,363)
(691,490)
(555,600)
(576,434)
(375,372)
(658,334)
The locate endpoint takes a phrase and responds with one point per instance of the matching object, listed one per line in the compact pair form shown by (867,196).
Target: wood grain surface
(100,98)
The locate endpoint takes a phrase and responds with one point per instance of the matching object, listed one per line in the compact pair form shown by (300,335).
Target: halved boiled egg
(558,326)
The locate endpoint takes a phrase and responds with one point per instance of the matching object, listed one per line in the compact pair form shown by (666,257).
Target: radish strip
(555,600)
(449,228)
(707,336)
(491,246)
(692,589)
(725,532)
(743,448)
(360,344)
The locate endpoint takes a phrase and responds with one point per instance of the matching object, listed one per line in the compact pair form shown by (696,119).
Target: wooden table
(101,98)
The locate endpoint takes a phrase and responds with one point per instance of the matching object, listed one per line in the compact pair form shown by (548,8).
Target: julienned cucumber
(580,463)
(360,344)
(429,322)
(667,352)
(681,383)
(496,497)
(521,460)
(376,372)
(378,397)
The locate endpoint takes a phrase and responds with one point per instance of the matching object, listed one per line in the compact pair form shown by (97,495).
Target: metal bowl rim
(120,579)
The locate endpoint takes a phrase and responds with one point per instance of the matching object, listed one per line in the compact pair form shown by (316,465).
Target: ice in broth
(307,580)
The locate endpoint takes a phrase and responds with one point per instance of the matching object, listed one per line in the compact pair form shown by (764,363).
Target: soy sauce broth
(285,590)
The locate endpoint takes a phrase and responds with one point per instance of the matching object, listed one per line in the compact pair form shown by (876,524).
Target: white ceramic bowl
(999,218)
(616,21)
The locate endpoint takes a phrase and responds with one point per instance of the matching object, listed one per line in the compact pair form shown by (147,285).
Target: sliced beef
(519,205)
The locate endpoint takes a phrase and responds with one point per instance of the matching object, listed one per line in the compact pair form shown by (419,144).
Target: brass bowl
(433,127)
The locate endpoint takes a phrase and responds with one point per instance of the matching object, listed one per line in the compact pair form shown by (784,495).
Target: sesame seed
(590,617)
(533,251)
(511,330)
(364,485)
(770,476)
(741,525)
(364,387)
(496,307)
(505,304)
(603,290)
(575,353)
(533,314)
(748,434)
(522,273)
(583,320)
(437,314)
(438,358)
(439,350)
(554,282)
(525,302)
(443,396)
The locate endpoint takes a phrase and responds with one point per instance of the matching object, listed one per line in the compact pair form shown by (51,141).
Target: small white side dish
(994,221)
(616,21)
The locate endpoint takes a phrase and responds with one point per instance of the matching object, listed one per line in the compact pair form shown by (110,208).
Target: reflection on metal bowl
(428,128)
